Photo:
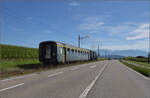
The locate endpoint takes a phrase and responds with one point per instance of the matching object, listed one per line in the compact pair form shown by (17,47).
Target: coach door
(64,55)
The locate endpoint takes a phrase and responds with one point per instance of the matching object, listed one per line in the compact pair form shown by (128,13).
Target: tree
(149,58)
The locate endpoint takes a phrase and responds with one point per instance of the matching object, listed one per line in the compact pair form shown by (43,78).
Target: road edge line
(132,70)
(1,90)
(19,77)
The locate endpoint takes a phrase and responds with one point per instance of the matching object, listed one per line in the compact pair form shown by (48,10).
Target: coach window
(68,51)
(78,52)
(75,51)
(48,52)
(72,51)
(60,50)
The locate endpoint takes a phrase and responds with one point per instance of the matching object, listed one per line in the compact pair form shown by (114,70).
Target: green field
(9,52)
(140,61)
(141,70)
(13,57)
(16,60)
(17,63)
(145,60)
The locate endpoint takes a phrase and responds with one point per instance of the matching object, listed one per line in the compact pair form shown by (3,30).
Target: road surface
(105,79)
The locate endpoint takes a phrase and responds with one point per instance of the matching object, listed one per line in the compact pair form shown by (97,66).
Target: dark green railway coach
(56,52)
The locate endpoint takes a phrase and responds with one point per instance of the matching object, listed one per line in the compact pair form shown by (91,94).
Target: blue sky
(116,25)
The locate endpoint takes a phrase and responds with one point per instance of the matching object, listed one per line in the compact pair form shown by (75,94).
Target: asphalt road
(105,79)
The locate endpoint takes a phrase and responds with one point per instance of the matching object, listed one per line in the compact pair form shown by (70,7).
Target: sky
(115,25)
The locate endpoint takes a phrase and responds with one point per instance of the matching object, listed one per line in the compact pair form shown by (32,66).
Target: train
(52,52)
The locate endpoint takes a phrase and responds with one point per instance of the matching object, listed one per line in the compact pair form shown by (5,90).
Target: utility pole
(105,53)
(149,58)
(149,39)
(80,38)
(149,42)
(149,46)
(79,41)
(98,50)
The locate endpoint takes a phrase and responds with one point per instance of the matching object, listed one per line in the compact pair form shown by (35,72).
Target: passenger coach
(56,52)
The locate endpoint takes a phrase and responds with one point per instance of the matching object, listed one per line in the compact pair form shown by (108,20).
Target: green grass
(17,60)
(17,52)
(9,64)
(141,63)
(144,71)
(20,67)
(136,59)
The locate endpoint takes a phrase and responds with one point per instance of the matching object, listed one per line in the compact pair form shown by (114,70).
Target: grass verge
(144,71)
(22,67)
(140,63)
(16,63)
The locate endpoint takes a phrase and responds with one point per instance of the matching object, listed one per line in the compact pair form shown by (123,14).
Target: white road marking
(136,72)
(93,66)
(85,92)
(55,74)
(11,87)
(19,77)
(83,66)
(74,68)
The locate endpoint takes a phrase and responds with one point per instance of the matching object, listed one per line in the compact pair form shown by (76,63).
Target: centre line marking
(74,69)
(93,66)
(11,87)
(85,92)
(55,74)
(83,65)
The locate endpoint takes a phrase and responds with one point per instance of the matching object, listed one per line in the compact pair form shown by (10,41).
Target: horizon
(114,25)
(85,48)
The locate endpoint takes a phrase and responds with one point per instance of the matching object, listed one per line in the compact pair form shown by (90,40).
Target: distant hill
(113,56)
(124,53)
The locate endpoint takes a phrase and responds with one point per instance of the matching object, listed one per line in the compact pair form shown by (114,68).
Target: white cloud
(131,23)
(141,45)
(91,23)
(95,24)
(29,18)
(141,32)
(74,4)
(90,26)
(117,29)
(90,19)
(47,31)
